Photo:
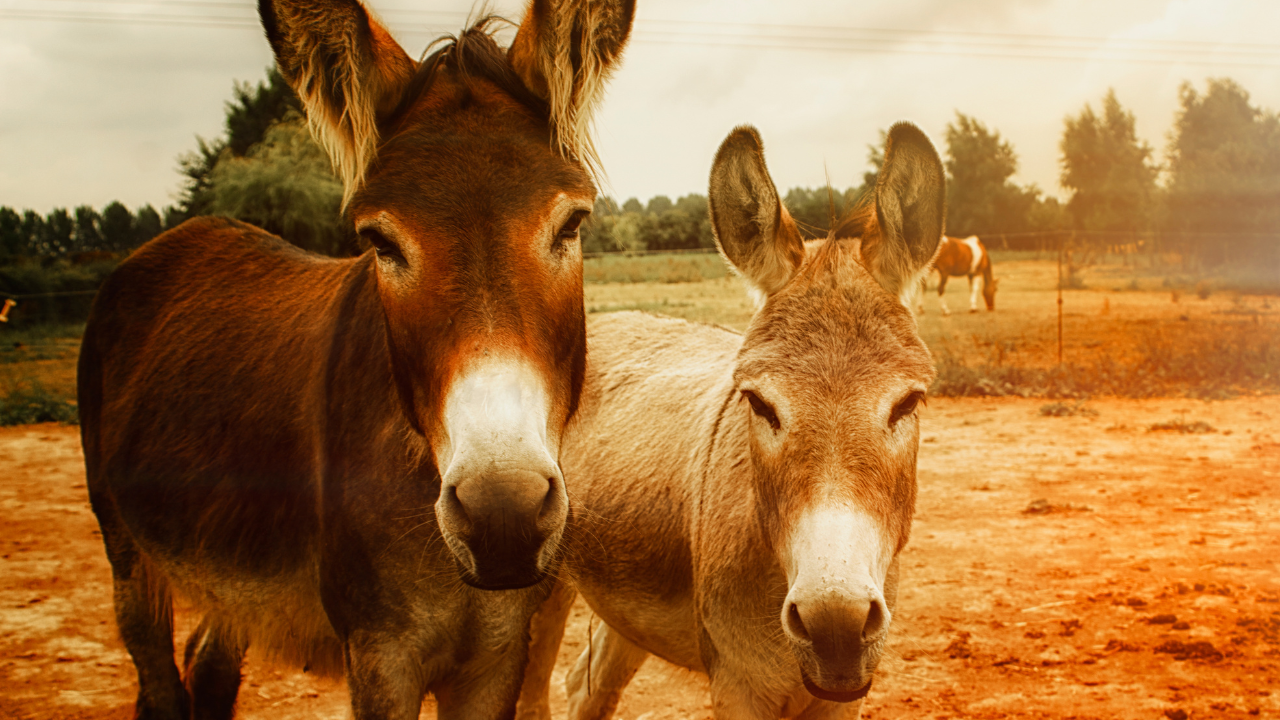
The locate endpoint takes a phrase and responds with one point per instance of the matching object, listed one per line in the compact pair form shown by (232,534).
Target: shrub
(31,402)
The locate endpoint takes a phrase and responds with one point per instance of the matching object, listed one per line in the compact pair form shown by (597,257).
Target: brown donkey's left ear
(565,52)
(347,70)
(910,201)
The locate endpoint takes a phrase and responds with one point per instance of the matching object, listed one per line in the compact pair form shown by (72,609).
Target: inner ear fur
(752,229)
(910,208)
(565,51)
(346,68)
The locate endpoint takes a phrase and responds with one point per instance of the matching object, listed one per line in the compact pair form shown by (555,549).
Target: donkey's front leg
(546,630)
(485,688)
(602,672)
(385,676)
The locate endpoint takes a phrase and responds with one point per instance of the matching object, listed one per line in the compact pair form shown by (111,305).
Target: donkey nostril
(874,625)
(454,504)
(795,624)
(549,502)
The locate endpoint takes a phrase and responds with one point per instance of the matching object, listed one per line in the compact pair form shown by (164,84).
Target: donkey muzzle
(837,638)
(504,524)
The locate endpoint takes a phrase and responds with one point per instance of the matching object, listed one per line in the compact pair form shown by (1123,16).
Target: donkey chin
(503,504)
(835,615)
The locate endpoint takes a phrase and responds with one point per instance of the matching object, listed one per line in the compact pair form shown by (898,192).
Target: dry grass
(1117,341)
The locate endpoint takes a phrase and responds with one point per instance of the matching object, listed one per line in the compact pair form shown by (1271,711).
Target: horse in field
(961,258)
(354,463)
(744,498)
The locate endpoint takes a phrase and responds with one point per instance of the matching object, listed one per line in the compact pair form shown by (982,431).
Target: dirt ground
(1146,585)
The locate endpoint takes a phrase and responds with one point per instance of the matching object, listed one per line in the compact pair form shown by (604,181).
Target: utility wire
(760,36)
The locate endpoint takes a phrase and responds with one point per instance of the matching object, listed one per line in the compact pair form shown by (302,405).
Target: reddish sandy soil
(1150,587)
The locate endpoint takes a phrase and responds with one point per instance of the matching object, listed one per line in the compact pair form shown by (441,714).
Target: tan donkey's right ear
(565,52)
(752,228)
(346,68)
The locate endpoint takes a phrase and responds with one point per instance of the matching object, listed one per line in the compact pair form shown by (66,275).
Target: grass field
(1129,330)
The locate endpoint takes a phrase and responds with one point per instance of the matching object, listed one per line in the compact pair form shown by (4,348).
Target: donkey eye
(385,249)
(905,407)
(762,409)
(569,231)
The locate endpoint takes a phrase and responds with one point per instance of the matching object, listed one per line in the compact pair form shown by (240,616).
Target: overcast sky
(99,97)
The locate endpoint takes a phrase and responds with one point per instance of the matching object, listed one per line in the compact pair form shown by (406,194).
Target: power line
(759,36)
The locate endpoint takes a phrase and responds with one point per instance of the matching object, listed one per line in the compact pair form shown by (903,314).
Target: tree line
(1219,175)
(66,232)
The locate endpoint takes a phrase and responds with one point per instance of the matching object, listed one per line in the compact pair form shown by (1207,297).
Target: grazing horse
(967,257)
(744,498)
(340,461)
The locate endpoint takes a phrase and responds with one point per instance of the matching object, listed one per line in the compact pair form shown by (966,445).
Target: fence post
(1060,244)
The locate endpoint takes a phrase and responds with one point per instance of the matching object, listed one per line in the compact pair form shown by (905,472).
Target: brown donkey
(340,460)
(744,497)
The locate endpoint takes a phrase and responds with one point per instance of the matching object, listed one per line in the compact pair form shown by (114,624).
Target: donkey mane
(475,55)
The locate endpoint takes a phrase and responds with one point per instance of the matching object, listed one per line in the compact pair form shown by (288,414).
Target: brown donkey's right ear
(565,52)
(753,231)
(346,68)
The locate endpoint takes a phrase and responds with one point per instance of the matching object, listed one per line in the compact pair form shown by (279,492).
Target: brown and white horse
(341,460)
(744,498)
(966,257)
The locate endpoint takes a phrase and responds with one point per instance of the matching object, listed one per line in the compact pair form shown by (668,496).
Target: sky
(98,98)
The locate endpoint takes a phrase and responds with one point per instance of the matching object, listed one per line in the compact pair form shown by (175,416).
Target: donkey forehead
(471,149)
(835,330)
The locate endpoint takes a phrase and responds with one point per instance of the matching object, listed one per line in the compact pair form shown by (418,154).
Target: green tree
(1224,163)
(251,112)
(632,205)
(86,235)
(58,231)
(12,241)
(659,204)
(817,210)
(1107,170)
(117,227)
(981,198)
(283,185)
(146,225)
(33,232)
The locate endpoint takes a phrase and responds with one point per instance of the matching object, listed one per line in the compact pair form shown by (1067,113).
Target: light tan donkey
(741,500)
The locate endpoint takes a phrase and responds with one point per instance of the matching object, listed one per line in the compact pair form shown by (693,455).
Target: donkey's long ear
(347,70)
(910,200)
(565,52)
(753,231)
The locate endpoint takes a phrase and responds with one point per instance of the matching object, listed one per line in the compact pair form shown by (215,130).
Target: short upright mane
(475,55)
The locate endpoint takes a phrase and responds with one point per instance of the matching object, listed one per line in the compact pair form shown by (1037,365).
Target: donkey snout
(508,522)
(838,637)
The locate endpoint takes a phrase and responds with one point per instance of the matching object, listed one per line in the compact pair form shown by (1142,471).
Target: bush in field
(1226,361)
(284,185)
(31,402)
(64,291)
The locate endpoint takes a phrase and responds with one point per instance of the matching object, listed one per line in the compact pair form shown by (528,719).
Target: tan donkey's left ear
(346,68)
(910,202)
(565,52)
